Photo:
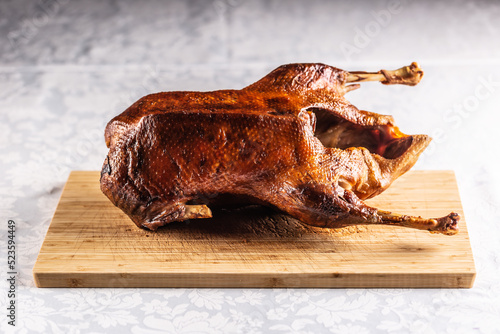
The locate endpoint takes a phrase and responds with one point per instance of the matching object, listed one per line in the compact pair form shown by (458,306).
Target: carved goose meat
(290,141)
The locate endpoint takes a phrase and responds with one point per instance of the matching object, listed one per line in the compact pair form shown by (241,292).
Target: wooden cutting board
(91,243)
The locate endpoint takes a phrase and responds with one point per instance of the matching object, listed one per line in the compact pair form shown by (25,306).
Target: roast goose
(290,141)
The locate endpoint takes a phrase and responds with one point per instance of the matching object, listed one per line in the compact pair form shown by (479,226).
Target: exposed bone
(407,75)
(445,225)
(197,211)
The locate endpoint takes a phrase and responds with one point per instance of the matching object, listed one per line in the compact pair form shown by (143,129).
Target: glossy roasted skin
(290,141)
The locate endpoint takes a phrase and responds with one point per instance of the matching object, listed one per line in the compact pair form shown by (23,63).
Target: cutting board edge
(203,280)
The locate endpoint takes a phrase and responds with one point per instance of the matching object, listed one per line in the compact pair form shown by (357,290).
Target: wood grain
(91,243)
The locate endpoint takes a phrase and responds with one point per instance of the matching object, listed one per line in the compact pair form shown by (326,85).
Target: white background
(67,67)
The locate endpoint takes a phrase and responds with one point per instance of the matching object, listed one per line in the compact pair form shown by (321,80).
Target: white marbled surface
(67,67)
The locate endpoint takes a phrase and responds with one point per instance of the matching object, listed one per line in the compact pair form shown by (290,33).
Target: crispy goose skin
(290,141)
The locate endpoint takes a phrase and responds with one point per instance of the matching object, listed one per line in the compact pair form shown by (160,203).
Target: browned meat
(290,141)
